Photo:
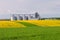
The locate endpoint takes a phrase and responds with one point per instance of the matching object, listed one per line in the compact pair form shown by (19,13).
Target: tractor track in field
(28,24)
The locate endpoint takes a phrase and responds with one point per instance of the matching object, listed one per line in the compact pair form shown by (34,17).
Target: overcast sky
(46,8)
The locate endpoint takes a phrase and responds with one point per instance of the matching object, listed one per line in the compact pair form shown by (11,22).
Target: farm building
(35,16)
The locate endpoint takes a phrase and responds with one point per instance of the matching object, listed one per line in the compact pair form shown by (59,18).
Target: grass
(31,32)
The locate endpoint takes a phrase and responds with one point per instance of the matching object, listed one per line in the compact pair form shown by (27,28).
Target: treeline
(4,19)
(50,18)
(38,19)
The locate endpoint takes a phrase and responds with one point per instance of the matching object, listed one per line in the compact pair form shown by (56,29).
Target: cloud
(46,8)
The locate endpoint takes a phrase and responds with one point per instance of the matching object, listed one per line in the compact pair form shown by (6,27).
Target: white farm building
(35,16)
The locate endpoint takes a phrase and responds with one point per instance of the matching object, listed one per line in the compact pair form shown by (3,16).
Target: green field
(30,32)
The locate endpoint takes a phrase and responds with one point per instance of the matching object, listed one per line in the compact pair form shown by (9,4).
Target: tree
(36,15)
(15,18)
(20,18)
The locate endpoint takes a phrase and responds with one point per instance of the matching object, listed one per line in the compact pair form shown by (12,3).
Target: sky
(46,8)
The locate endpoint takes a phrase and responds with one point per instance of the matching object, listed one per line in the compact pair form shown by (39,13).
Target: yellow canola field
(45,22)
(10,24)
